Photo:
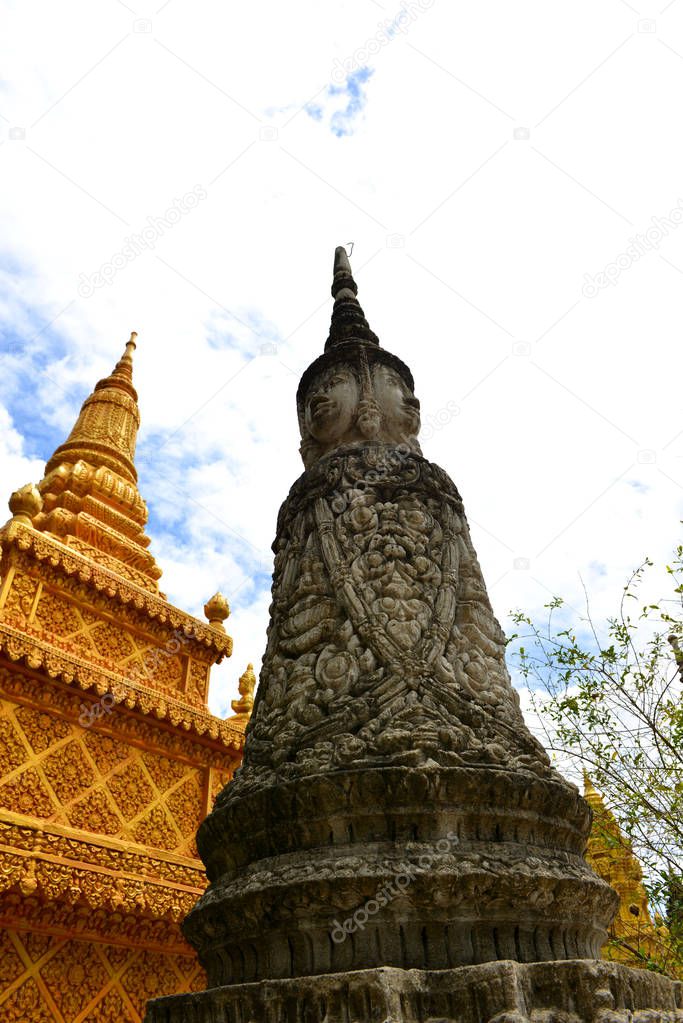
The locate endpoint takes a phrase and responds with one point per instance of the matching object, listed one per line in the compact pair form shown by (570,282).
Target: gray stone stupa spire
(348,318)
(396,846)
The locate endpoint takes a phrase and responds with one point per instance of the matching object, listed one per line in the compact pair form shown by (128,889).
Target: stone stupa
(396,846)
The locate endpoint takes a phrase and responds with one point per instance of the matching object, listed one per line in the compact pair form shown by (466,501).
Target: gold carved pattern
(99,784)
(185,804)
(68,771)
(57,615)
(162,771)
(199,679)
(106,752)
(106,856)
(126,552)
(112,642)
(156,829)
(131,790)
(72,669)
(73,981)
(106,743)
(66,570)
(21,595)
(26,793)
(40,728)
(94,812)
(118,521)
(11,965)
(219,779)
(12,751)
(130,926)
(212,750)
(127,652)
(134,575)
(26,1003)
(166,672)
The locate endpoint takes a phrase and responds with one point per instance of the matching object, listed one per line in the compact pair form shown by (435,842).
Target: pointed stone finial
(343,275)
(246,686)
(348,318)
(25,503)
(217,610)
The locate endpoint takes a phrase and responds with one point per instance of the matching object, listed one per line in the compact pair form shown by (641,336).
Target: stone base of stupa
(573,991)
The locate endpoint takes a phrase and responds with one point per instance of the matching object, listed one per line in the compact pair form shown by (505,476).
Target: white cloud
(16,467)
(503,153)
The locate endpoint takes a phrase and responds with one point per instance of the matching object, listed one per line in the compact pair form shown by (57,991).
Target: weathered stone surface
(386,730)
(383,648)
(500,992)
(394,822)
(456,865)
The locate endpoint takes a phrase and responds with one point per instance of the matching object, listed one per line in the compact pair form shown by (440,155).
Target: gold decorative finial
(25,503)
(123,370)
(246,686)
(217,610)
(588,787)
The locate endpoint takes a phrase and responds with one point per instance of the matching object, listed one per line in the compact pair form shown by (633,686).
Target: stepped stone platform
(573,991)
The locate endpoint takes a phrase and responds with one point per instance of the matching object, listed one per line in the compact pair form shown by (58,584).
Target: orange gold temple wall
(44,978)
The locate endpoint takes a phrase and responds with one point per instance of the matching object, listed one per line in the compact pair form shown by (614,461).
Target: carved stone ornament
(393,813)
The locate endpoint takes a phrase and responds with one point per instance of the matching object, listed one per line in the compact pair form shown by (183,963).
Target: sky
(510,178)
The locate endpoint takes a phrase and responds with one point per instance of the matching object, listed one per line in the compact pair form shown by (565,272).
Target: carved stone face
(400,408)
(341,409)
(331,405)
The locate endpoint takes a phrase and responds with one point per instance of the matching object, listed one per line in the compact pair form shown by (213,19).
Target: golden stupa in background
(109,756)
(634,938)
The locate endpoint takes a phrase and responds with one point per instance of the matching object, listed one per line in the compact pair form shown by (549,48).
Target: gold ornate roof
(80,589)
(634,937)
(109,756)
(90,497)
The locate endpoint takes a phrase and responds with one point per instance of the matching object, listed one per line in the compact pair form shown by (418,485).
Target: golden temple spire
(106,430)
(122,375)
(611,856)
(590,793)
(90,497)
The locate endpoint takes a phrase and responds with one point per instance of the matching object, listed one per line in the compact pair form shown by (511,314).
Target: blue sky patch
(343,120)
